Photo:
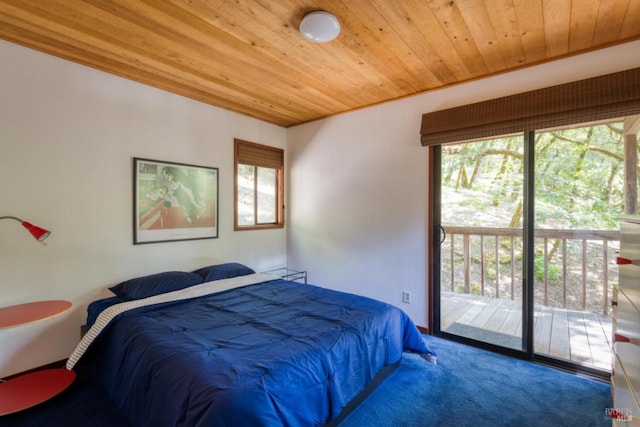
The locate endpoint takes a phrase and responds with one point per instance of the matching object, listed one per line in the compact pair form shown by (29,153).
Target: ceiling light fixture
(319,27)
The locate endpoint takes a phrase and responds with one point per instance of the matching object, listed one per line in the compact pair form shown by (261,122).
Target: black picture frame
(174,201)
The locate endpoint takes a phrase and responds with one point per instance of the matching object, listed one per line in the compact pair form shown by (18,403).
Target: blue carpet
(468,387)
(473,387)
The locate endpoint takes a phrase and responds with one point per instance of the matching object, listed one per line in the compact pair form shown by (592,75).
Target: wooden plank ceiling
(248,56)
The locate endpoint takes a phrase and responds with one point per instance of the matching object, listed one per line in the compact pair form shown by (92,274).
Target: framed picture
(173,201)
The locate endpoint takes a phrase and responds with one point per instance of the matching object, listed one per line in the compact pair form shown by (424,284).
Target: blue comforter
(269,354)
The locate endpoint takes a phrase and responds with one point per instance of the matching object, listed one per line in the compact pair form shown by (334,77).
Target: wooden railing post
(452,238)
(497,267)
(546,271)
(467,264)
(605,277)
(513,269)
(482,260)
(584,274)
(564,273)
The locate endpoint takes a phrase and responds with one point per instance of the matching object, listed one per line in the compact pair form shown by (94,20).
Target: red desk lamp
(38,233)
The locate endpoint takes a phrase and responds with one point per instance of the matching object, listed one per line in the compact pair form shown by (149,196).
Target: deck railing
(573,268)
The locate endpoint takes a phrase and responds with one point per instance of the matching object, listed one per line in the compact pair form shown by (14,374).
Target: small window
(259,186)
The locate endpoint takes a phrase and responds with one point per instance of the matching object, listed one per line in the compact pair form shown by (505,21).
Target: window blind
(249,153)
(604,97)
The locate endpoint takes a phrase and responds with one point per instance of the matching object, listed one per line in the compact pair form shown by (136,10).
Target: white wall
(358,194)
(67,137)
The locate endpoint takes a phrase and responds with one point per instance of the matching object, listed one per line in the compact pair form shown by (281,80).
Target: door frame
(433,267)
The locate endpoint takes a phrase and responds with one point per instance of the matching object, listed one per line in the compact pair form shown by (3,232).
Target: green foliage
(476,289)
(553,271)
(579,178)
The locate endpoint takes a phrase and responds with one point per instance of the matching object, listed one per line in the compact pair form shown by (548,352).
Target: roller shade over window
(259,155)
(605,97)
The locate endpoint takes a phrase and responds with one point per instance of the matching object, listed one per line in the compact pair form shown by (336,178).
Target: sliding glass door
(525,259)
(579,193)
(481,278)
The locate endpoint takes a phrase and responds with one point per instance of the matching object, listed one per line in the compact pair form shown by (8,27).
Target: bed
(225,346)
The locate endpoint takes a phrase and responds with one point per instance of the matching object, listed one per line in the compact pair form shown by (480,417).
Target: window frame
(259,155)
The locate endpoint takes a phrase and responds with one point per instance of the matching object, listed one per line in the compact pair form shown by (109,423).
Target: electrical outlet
(406,297)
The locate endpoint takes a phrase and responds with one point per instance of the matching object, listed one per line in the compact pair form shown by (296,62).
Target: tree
(578,179)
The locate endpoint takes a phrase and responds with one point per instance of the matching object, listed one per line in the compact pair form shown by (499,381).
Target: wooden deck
(581,337)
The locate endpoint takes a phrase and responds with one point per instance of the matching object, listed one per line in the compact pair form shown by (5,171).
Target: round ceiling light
(319,27)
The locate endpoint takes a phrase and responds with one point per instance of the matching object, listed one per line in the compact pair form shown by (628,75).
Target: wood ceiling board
(631,22)
(452,21)
(504,19)
(611,15)
(530,17)
(557,25)
(248,56)
(430,66)
(479,23)
(449,64)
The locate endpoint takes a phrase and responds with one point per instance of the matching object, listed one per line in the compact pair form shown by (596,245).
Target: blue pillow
(223,271)
(155,284)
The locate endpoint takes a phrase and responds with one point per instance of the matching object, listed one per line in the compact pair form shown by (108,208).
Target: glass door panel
(481,272)
(579,176)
